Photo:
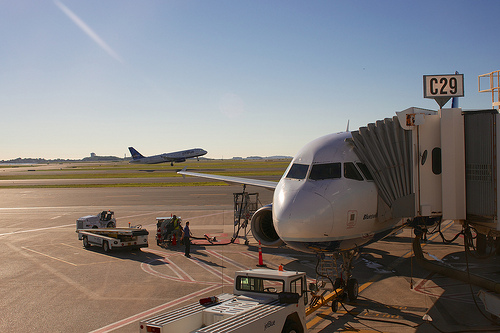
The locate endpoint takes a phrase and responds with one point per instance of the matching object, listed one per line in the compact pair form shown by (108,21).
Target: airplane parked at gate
(325,202)
(178,156)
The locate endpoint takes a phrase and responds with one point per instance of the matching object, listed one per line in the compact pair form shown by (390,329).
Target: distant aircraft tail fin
(135,154)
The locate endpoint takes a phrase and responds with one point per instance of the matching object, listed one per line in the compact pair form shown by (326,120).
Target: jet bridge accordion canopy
(386,149)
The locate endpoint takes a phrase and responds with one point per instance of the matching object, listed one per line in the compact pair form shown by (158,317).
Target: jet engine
(263,227)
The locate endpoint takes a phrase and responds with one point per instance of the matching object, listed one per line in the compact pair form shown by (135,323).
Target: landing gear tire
(335,306)
(86,243)
(481,244)
(105,247)
(352,289)
(337,284)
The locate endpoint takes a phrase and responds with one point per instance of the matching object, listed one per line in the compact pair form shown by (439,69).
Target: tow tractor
(133,237)
(263,300)
(104,219)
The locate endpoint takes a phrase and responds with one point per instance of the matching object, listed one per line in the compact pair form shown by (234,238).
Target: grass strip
(116,185)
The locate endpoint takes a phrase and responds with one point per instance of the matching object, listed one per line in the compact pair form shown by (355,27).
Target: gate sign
(443,86)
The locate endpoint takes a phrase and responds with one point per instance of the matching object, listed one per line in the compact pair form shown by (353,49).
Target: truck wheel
(110,225)
(86,243)
(292,327)
(352,289)
(105,246)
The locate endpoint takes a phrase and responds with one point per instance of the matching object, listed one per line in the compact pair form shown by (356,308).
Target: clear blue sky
(237,78)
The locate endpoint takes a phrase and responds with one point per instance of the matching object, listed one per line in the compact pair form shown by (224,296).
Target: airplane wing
(234,180)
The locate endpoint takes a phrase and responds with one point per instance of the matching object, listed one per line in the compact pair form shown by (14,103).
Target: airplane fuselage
(326,200)
(178,156)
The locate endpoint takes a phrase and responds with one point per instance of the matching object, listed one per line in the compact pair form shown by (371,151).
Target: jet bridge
(386,149)
(436,164)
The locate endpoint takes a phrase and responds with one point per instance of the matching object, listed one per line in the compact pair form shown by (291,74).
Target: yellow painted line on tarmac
(208,194)
(51,257)
(110,258)
(72,246)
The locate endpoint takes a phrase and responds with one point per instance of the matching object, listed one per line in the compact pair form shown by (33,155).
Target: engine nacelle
(263,227)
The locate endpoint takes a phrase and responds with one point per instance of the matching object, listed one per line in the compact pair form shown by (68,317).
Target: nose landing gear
(344,286)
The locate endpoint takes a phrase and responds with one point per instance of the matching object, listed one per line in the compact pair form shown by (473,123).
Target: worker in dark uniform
(187,242)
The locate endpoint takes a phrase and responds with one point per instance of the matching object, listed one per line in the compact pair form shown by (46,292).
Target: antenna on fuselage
(347,129)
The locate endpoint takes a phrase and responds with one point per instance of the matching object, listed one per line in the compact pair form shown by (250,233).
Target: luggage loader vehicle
(113,238)
(263,300)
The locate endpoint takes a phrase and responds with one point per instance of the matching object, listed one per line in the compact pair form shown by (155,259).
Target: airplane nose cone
(301,214)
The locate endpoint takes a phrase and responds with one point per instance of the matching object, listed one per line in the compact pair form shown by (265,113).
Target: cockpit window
(365,171)
(325,171)
(351,172)
(298,171)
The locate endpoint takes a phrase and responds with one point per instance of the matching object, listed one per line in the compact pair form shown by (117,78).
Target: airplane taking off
(178,156)
(326,202)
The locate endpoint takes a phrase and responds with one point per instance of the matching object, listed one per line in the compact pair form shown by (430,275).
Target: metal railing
(494,87)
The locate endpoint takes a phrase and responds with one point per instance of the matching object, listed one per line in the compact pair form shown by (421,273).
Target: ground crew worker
(187,242)
(177,228)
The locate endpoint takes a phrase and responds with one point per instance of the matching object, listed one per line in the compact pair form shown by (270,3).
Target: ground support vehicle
(104,219)
(113,238)
(166,229)
(263,300)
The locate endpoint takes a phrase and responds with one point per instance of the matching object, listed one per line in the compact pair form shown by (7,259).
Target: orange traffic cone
(174,240)
(280,268)
(261,262)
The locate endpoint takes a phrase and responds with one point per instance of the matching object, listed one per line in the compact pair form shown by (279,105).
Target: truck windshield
(260,285)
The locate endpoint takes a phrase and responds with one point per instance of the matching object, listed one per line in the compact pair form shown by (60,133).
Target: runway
(50,283)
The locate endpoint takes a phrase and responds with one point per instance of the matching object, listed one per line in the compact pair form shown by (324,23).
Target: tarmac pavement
(50,283)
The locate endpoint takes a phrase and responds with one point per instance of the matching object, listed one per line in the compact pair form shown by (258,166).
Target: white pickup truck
(104,219)
(263,300)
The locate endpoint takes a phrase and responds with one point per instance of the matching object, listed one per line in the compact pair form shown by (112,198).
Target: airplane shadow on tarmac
(452,304)
(365,310)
